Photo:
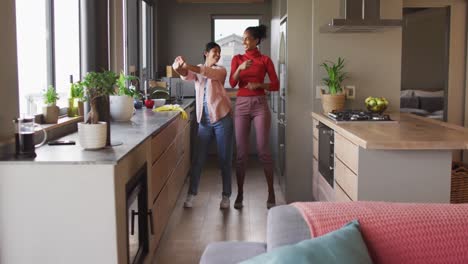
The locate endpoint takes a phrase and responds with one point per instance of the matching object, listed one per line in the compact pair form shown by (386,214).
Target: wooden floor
(190,230)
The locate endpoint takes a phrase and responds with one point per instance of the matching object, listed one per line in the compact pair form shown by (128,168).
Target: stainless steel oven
(326,157)
(137,217)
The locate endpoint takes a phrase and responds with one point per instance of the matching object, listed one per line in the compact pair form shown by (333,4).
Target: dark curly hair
(259,32)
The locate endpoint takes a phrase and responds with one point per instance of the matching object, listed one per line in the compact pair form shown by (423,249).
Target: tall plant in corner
(335,98)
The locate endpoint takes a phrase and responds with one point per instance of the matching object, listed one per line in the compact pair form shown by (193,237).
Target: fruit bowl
(376,104)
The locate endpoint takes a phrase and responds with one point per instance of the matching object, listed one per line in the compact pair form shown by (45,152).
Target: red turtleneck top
(261,65)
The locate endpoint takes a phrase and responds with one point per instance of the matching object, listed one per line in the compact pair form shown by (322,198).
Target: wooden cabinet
(162,140)
(340,195)
(170,154)
(397,161)
(347,152)
(346,179)
(162,169)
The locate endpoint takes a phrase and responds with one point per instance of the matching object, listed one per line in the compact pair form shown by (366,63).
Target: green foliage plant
(97,84)
(335,75)
(77,91)
(122,88)
(50,96)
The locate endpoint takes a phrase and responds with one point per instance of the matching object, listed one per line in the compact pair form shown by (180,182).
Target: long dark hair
(209,46)
(259,32)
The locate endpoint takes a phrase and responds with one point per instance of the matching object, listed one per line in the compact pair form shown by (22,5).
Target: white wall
(8,70)
(184,29)
(57,214)
(299,101)
(373,60)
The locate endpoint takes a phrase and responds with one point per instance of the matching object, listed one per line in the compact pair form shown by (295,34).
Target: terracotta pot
(332,102)
(51,113)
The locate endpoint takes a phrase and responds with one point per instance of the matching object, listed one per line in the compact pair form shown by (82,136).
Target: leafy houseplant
(51,110)
(122,88)
(51,96)
(335,99)
(95,132)
(75,102)
(121,104)
(98,86)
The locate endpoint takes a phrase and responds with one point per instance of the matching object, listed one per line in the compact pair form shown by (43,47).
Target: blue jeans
(223,132)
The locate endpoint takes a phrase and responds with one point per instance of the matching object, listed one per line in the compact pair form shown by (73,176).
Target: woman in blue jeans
(213,108)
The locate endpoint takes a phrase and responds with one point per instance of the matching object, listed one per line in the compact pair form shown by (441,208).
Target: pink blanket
(398,232)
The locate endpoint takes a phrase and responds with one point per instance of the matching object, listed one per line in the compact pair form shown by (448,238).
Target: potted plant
(51,110)
(335,98)
(75,102)
(95,132)
(121,104)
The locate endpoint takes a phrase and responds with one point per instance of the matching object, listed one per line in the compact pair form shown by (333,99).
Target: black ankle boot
(238,202)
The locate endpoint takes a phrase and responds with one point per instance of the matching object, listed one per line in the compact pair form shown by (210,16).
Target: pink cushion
(398,232)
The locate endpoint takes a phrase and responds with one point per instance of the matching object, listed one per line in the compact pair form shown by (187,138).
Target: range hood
(359,16)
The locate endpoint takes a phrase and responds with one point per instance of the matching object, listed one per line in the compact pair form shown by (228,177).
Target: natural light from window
(228,34)
(31,35)
(67,47)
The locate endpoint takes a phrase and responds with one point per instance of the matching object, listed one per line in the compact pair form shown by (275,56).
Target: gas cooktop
(357,115)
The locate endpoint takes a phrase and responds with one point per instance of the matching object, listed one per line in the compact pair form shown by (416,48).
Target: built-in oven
(137,217)
(326,157)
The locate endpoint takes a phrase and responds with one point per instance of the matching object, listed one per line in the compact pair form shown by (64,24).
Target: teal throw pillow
(344,245)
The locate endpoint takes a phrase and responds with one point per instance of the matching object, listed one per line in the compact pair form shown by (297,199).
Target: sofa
(393,232)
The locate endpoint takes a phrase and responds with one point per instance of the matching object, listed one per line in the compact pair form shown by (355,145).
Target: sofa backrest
(285,226)
(398,232)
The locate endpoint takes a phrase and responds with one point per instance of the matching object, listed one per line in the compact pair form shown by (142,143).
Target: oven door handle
(150,215)
(132,225)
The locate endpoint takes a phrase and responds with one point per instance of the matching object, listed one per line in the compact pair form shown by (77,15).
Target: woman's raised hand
(178,62)
(245,65)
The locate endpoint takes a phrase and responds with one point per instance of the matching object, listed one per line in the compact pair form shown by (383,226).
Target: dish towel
(174,107)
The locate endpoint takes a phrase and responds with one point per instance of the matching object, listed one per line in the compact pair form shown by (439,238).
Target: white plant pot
(92,136)
(121,107)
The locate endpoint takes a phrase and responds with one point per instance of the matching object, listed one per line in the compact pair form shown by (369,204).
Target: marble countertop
(143,124)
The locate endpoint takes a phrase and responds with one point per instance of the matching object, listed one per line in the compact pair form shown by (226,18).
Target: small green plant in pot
(121,103)
(75,102)
(94,133)
(335,98)
(51,110)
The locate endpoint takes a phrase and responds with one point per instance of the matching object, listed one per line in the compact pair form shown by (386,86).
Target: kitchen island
(405,160)
(70,205)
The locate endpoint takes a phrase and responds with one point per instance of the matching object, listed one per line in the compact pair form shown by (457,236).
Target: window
(48,47)
(146,41)
(228,32)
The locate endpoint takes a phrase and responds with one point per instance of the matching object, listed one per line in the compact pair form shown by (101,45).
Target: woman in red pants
(249,70)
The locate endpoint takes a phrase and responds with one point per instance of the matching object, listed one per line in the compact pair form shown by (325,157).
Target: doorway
(425,61)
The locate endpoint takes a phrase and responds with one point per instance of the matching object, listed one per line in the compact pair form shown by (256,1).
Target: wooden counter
(409,132)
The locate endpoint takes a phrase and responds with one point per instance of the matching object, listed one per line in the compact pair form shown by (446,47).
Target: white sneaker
(225,203)
(189,201)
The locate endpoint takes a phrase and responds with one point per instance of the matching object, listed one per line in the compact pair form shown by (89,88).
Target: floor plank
(190,230)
